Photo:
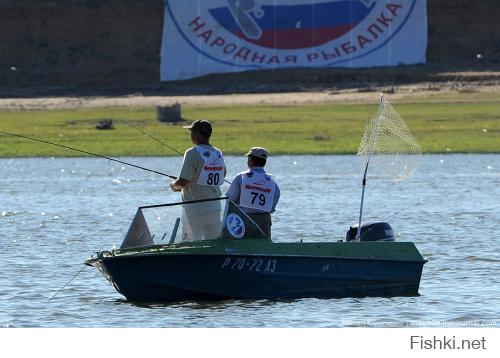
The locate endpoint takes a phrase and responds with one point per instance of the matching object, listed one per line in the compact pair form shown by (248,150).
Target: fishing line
(400,211)
(89,153)
(394,214)
(67,283)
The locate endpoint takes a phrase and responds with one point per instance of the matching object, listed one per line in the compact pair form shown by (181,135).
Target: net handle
(375,128)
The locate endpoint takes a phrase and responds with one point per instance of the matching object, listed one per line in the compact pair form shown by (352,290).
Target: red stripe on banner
(292,39)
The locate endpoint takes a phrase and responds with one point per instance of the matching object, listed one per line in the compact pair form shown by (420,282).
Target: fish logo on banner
(264,34)
(290,27)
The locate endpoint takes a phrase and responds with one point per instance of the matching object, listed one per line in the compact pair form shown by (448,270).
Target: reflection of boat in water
(291,26)
(241,263)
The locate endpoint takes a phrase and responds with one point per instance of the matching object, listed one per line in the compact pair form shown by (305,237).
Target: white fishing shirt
(212,173)
(257,190)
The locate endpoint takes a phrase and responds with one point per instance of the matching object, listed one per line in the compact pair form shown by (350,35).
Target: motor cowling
(374,231)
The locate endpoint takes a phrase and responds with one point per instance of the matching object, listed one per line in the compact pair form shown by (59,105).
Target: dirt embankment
(113,46)
(429,93)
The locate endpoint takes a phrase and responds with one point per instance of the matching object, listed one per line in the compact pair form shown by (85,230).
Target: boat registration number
(249,264)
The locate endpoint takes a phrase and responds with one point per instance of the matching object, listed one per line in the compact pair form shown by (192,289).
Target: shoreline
(429,92)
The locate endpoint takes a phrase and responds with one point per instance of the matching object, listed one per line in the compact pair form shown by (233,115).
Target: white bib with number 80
(212,173)
(257,191)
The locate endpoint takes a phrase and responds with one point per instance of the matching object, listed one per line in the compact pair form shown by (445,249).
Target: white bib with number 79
(212,173)
(257,191)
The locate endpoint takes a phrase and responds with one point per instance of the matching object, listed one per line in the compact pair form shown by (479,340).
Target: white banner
(219,36)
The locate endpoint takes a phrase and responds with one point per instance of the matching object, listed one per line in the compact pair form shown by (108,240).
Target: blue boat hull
(167,278)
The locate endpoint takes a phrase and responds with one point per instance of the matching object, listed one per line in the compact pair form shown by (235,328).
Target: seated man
(255,191)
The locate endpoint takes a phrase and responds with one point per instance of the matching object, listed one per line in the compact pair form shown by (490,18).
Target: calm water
(55,212)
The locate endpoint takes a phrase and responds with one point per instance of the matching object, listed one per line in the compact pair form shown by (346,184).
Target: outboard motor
(376,231)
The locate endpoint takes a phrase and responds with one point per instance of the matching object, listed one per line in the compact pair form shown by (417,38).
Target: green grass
(317,129)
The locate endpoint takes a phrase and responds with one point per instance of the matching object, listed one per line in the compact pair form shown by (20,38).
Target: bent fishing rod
(88,153)
(159,141)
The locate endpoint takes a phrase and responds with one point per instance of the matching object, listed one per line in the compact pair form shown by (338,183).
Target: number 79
(262,198)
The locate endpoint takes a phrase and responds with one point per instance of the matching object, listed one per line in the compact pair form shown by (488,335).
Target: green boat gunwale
(267,248)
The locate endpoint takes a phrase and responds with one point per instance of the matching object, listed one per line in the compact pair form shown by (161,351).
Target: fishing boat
(241,263)
(221,253)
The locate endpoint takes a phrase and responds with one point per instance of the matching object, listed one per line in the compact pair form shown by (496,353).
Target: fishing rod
(88,153)
(159,141)
(150,136)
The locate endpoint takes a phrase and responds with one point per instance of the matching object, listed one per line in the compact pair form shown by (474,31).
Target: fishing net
(388,145)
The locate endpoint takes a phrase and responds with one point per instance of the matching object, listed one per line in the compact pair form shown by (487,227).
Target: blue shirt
(234,191)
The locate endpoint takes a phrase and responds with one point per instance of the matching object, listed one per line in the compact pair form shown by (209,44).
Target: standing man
(202,174)
(255,191)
